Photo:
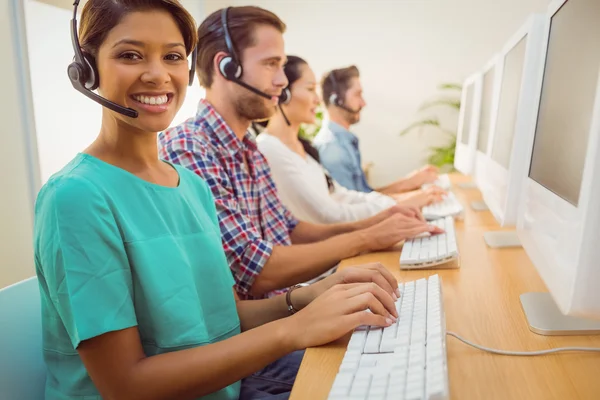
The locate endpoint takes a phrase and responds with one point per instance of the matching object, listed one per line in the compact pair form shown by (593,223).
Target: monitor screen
(567,101)
(509,100)
(466,127)
(486,110)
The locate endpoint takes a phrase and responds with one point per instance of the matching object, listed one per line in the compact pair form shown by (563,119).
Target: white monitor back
(502,169)
(559,223)
(490,98)
(468,122)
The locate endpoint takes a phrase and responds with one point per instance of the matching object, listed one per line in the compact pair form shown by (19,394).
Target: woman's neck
(287,134)
(125,147)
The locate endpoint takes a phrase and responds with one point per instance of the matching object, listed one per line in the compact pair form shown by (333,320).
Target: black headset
(230,66)
(284,98)
(334,98)
(84,75)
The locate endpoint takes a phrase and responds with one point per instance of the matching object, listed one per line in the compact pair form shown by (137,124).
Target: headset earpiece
(230,69)
(92,79)
(84,73)
(286,96)
(333,99)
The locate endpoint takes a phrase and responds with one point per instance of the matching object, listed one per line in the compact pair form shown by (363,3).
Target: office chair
(22,368)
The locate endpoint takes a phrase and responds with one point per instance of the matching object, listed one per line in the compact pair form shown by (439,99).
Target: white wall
(403,48)
(19,178)
(67,122)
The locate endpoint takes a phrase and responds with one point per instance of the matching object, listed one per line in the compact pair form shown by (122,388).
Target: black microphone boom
(343,107)
(128,112)
(252,89)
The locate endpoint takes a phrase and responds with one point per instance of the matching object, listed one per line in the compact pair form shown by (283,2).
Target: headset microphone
(230,66)
(84,75)
(253,89)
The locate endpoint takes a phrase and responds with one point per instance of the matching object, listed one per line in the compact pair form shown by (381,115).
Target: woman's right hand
(340,310)
(422,197)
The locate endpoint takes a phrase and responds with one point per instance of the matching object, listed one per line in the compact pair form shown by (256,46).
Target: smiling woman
(107,29)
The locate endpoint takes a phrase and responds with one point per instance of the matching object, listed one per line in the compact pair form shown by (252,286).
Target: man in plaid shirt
(268,250)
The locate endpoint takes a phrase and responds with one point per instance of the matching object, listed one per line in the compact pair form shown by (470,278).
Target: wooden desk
(481,301)
(472,218)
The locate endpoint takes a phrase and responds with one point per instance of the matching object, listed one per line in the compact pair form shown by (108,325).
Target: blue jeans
(275,381)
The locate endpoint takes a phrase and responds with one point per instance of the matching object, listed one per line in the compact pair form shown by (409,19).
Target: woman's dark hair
(293,72)
(98,17)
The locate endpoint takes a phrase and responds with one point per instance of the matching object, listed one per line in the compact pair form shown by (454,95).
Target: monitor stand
(501,239)
(544,318)
(479,206)
(467,185)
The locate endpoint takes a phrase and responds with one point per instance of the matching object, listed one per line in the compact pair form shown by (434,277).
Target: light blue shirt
(113,251)
(338,150)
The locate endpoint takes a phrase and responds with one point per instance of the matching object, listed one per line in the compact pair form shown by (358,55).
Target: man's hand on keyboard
(339,310)
(408,211)
(368,273)
(422,197)
(395,229)
(420,177)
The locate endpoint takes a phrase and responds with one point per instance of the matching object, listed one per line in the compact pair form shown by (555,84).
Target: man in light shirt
(339,147)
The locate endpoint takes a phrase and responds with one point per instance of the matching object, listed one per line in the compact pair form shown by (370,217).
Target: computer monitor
(468,121)
(490,90)
(503,166)
(559,223)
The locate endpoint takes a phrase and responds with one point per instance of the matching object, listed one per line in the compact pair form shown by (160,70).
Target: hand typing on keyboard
(448,207)
(367,273)
(339,303)
(395,229)
(423,176)
(339,310)
(422,197)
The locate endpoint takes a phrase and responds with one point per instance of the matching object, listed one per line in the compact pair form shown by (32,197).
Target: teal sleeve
(83,259)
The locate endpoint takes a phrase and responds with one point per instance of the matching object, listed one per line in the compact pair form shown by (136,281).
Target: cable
(521,353)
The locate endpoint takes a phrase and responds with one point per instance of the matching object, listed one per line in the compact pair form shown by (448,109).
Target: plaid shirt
(251,216)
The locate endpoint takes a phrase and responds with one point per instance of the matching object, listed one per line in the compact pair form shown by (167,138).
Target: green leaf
(309,131)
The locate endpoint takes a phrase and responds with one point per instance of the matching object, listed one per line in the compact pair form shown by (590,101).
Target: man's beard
(252,107)
(352,118)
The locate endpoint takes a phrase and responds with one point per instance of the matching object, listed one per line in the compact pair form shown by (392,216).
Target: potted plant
(440,156)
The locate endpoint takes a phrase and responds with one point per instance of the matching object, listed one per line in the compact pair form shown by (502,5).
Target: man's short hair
(241,24)
(342,77)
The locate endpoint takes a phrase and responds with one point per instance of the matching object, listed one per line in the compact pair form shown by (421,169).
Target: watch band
(288,299)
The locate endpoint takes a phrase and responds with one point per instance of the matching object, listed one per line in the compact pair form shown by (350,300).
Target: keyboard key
(373,341)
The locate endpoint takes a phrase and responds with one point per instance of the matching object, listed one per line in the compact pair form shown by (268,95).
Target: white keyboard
(449,207)
(404,361)
(443,181)
(428,251)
